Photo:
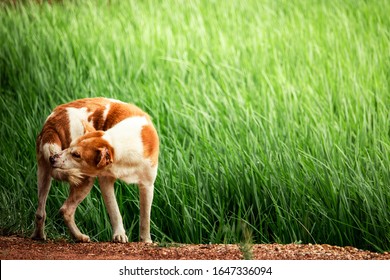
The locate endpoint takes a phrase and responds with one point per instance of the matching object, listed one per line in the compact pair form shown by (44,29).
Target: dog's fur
(97,137)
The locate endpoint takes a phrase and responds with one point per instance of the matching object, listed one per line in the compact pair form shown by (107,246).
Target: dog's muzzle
(53,159)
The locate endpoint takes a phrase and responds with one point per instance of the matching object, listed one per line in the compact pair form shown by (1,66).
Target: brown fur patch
(151,143)
(55,130)
(94,134)
(90,147)
(121,111)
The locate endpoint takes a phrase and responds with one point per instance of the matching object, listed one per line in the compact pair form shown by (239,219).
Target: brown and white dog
(97,137)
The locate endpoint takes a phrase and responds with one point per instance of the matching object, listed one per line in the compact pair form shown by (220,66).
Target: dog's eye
(75,155)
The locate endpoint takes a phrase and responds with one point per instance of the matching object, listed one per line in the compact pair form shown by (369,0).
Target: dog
(103,138)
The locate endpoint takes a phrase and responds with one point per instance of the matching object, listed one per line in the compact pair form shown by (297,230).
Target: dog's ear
(104,157)
(87,127)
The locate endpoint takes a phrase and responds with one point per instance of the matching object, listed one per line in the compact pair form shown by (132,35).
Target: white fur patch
(105,113)
(76,127)
(126,139)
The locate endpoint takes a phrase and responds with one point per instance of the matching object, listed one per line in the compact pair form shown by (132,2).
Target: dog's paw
(121,238)
(83,238)
(146,240)
(38,235)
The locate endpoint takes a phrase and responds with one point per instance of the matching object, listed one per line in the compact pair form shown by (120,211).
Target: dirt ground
(18,248)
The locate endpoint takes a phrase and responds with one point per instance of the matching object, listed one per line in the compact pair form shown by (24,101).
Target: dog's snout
(53,158)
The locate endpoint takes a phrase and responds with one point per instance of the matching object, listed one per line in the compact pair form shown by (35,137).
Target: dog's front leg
(107,188)
(76,196)
(44,182)
(145,201)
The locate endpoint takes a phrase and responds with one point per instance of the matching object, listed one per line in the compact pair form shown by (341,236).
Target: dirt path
(14,247)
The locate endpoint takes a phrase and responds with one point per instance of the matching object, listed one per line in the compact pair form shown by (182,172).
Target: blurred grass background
(273,115)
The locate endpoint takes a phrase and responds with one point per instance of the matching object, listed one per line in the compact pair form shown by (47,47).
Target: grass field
(273,115)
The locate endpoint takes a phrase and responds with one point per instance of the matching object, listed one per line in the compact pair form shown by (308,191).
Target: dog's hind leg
(145,201)
(107,188)
(76,196)
(44,182)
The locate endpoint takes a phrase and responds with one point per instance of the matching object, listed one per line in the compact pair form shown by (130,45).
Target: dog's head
(86,156)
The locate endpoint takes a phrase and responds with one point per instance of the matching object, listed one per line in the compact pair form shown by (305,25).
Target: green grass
(273,115)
